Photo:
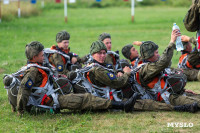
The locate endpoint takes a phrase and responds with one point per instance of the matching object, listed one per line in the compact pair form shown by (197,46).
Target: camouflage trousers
(151,105)
(84,101)
(181,100)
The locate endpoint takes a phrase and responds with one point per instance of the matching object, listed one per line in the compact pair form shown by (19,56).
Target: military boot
(128,105)
(192,108)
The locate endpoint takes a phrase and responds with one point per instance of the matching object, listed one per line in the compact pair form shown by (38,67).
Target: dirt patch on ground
(2,70)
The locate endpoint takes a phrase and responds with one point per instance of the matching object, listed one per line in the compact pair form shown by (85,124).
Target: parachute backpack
(13,81)
(176,81)
(82,85)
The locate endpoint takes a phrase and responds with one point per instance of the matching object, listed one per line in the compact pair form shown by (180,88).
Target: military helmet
(147,49)
(62,35)
(126,50)
(33,49)
(104,36)
(97,46)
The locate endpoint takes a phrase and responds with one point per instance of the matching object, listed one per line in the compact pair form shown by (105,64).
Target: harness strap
(114,60)
(88,77)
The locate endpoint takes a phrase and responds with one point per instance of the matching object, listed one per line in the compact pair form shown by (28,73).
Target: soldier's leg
(181,100)
(192,74)
(193,95)
(83,101)
(151,105)
(12,98)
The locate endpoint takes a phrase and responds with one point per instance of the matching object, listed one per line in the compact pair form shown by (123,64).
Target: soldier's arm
(151,70)
(193,57)
(57,61)
(193,41)
(110,79)
(25,89)
(84,59)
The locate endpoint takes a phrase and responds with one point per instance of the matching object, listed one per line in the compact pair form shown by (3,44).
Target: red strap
(199,42)
(159,98)
(43,99)
(111,96)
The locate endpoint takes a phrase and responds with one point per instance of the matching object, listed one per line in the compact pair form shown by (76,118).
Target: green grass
(84,26)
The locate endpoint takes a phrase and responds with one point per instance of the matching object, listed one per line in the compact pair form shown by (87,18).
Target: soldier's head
(130,52)
(98,51)
(149,51)
(106,39)
(34,52)
(62,39)
(187,46)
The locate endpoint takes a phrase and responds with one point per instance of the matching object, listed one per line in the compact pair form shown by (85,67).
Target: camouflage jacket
(103,76)
(60,62)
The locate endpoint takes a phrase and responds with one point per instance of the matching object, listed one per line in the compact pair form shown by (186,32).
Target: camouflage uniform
(58,61)
(100,76)
(152,70)
(37,88)
(192,19)
(69,101)
(191,63)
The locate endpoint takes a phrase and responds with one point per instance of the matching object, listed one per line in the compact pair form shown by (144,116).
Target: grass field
(84,25)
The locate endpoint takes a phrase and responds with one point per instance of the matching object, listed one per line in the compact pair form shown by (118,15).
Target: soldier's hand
(126,69)
(137,43)
(74,60)
(119,74)
(190,91)
(185,38)
(174,35)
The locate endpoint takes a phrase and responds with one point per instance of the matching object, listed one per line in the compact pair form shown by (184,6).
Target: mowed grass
(84,26)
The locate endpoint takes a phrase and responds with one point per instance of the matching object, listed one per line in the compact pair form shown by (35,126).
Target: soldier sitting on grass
(103,82)
(38,89)
(60,55)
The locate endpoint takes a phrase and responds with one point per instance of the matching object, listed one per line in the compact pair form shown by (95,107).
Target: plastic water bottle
(179,45)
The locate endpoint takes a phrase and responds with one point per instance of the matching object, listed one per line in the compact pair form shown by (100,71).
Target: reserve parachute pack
(81,85)
(36,98)
(175,82)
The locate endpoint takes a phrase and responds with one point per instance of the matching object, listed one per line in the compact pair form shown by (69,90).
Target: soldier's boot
(192,108)
(128,105)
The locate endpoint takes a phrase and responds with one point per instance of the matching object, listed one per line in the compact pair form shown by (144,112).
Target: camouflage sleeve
(191,20)
(84,59)
(56,60)
(25,88)
(193,57)
(150,70)
(193,41)
(109,60)
(110,79)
